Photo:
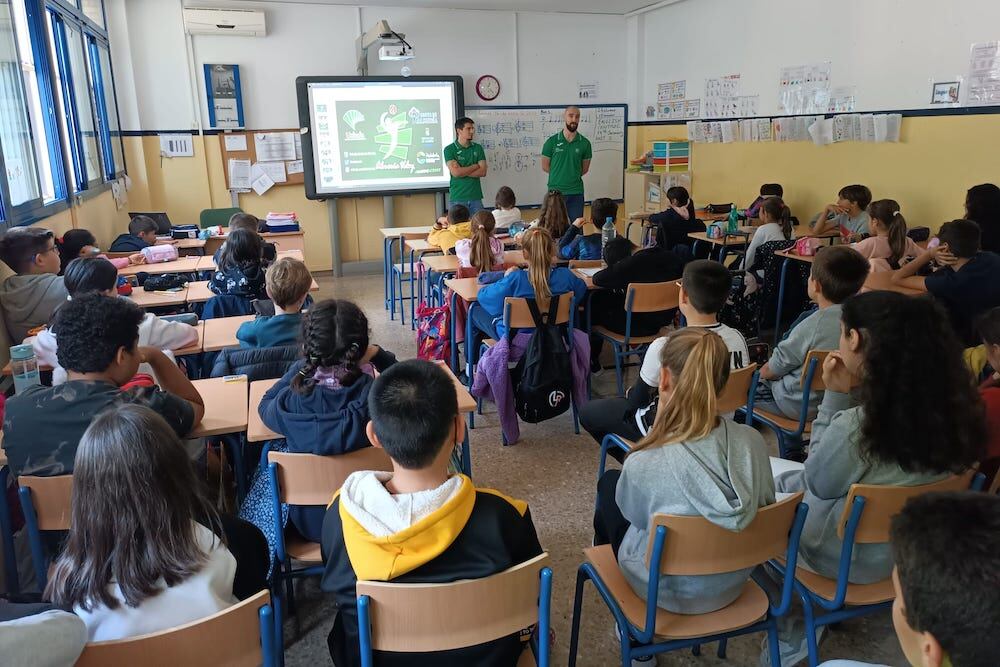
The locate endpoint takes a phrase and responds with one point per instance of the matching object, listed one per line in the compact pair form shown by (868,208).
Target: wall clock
(488,87)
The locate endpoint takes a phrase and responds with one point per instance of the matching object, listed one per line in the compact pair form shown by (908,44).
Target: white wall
(890,50)
(539,58)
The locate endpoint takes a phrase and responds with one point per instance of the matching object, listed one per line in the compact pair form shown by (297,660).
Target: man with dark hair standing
(466,161)
(566,159)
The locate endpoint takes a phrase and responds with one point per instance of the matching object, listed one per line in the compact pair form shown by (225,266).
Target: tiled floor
(555,471)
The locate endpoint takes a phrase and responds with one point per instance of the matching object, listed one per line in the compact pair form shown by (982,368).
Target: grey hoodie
(29,300)
(723,477)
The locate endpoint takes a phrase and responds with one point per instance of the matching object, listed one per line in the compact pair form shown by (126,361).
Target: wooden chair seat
(857,594)
(303,550)
(782,421)
(620,338)
(747,609)
(489,342)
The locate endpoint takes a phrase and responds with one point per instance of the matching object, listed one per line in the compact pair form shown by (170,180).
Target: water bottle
(607,232)
(24,367)
(734,225)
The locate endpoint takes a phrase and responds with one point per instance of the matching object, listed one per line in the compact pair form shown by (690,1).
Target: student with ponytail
(483,251)
(889,242)
(674,223)
(776,225)
(552,216)
(321,404)
(540,281)
(693,463)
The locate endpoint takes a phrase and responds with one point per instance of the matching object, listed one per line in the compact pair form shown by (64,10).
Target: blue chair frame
(835,609)
(645,637)
(786,439)
(39,556)
(539,647)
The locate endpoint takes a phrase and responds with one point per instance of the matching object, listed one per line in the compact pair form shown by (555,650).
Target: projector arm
(380,33)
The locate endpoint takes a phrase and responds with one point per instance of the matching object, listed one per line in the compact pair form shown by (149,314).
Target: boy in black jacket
(418,524)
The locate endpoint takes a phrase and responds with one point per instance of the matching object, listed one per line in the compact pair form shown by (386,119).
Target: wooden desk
(283,241)
(220,332)
(449,263)
(207,262)
(791,254)
(145,299)
(406,232)
(225,405)
(180,265)
(198,292)
(195,347)
(882,281)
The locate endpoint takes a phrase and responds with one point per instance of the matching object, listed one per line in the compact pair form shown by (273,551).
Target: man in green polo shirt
(566,158)
(466,161)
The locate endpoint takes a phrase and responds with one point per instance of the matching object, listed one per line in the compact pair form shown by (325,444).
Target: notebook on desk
(590,271)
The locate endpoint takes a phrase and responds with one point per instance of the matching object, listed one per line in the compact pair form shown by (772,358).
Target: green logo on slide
(394,137)
(352,118)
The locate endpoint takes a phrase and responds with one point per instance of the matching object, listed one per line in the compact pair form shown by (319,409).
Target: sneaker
(792,649)
(647,661)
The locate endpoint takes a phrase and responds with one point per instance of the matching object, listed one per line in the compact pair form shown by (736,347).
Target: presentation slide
(378,136)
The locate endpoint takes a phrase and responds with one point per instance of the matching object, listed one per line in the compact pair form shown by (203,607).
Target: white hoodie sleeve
(44,345)
(166,335)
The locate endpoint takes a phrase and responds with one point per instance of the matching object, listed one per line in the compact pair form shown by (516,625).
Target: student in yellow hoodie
(452,228)
(418,524)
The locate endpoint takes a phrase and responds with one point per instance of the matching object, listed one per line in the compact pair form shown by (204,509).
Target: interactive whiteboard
(513,137)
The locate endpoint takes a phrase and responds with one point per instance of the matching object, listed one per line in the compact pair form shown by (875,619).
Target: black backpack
(543,378)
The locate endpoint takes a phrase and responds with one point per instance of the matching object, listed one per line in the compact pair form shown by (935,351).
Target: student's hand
(836,377)
(137,258)
(369,354)
(148,355)
(854,238)
(579,223)
(836,209)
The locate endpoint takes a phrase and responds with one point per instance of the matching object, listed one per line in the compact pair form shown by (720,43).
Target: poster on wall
(984,74)
(224,95)
(804,89)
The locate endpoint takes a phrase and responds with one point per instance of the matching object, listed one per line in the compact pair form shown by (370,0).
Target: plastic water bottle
(607,232)
(24,367)
(734,224)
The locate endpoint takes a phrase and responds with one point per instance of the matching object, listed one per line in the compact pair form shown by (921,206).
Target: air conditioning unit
(213,21)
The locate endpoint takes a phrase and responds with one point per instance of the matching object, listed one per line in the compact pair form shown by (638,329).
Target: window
(107,116)
(80,129)
(94,10)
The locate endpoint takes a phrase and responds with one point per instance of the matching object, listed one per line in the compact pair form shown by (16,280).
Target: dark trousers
(610,415)
(248,546)
(483,321)
(574,206)
(609,523)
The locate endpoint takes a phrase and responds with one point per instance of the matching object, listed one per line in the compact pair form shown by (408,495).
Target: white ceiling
(578,6)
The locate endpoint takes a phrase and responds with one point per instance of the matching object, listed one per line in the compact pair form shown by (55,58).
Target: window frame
(111,169)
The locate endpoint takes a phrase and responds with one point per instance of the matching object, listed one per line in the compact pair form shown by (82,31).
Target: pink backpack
(433,333)
(156,254)
(807,245)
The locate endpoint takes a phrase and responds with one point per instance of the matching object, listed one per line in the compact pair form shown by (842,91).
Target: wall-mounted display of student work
(257,160)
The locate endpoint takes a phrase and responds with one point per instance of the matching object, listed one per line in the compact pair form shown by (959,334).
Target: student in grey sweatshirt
(29,298)
(900,410)
(837,273)
(692,463)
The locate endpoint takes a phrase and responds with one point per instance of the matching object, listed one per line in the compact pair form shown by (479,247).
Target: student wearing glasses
(29,298)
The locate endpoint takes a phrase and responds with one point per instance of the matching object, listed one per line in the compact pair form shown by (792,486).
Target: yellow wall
(937,160)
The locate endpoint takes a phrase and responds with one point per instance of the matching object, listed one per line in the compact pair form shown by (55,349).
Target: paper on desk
(235,142)
(239,174)
(262,184)
(274,170)
(295,167)
(590,271)
(274,146)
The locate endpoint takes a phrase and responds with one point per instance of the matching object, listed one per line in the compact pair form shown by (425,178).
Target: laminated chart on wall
(984,74)
(672,102)
(804,89)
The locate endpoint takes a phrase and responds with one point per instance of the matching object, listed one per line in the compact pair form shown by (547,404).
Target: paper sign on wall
(274,146)
(235,142)
(239,174)
(984,74)
(274,170)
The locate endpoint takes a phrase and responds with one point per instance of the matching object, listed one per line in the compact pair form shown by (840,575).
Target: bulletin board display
(278,152)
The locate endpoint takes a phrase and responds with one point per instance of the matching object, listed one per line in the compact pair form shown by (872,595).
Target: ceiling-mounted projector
(395,52)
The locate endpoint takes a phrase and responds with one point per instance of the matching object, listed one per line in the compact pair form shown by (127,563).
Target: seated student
(147,551)
(483,251)
(506,212)
(839,272)
(849,214)
(899,410)
(675,223)
(704,289)
(321,403)
(81,243)
(252,224)
(767,191)
(89,275)
(574,244)
(626,265)
(982,206)
(968,283)
(29,298)
(98,347)
(988,327)
(888,246)
(141,234)
(450,229)
(946,550)
(776,225)
(692,463)
(552,216)
(287,283)
(540,281)
(418,524)
(241,266)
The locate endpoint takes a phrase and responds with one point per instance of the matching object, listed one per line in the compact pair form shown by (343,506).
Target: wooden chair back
(585,263)
(230,637)
(884,502)
(734,394)
(439,617)
(817,381)
(519,316)
(50,496)
(695,545)
(653,297)
(309,479)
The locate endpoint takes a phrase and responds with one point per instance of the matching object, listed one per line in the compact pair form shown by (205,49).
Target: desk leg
(469,328)
(392,281)
(413,305)
(451,325)
(7,528)
(467,454)
(781,299)
(386,274)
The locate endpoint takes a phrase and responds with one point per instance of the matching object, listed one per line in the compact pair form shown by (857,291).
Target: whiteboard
(513,137)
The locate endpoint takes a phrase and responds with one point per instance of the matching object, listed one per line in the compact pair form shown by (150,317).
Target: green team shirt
(465,188)
(566,162)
